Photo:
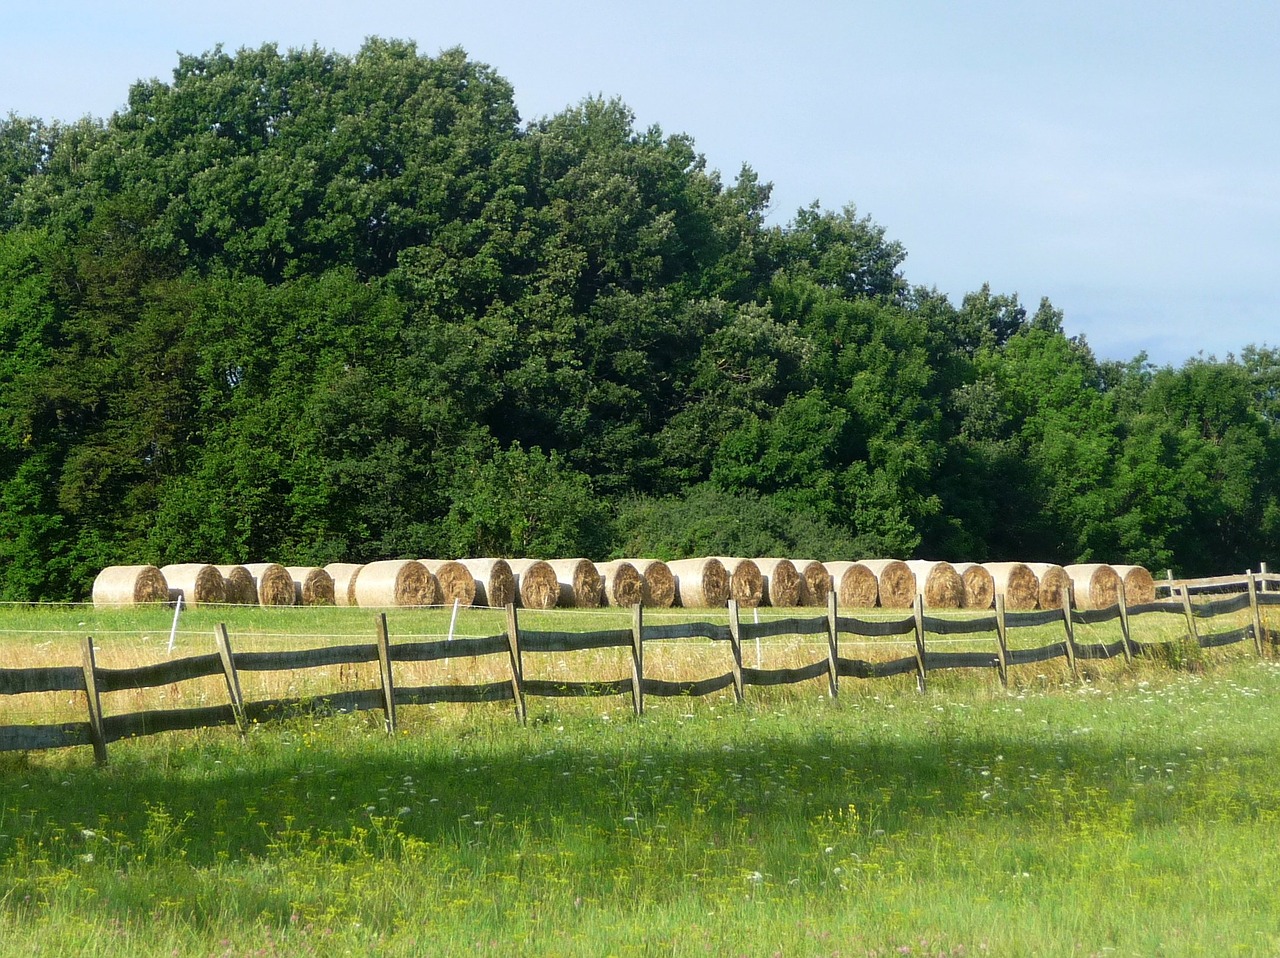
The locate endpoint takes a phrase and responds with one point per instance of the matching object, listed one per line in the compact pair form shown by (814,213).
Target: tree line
(314,307)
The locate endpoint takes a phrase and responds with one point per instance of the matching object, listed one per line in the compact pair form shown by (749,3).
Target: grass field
(1132,813)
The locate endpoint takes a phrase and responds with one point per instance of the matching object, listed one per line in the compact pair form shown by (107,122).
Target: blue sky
(1121,158)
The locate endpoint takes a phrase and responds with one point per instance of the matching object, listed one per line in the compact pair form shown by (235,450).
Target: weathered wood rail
(517,644)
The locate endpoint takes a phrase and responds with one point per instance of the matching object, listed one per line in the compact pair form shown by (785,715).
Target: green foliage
(312,307)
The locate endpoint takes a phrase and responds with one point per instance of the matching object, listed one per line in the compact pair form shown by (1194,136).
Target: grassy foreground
(1131,815)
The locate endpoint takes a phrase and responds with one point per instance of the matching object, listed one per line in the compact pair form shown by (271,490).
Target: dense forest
(310,307)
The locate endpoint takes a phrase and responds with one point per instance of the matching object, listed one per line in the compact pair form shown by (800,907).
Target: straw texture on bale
(1017,583)
(129,585)
(746,584)
(495,582)
(457,584)
(896,581)
(344,577)
(196,582)
(1095,584)
(784,587)
(938,582)
(1139,585)
(817,581)
(580,584)
(979,587)
(311,586)
(856,585)
(395,582)
(536,583)
(238,585)
(1054,583)
(623,584)
(659,583)
(272,582)
(700,583)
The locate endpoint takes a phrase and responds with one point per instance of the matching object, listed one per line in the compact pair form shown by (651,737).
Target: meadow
(1130,812)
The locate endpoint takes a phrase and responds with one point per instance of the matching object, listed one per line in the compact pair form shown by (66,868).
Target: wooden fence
(516,644)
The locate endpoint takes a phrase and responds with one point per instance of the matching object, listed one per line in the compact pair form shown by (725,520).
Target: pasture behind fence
(517,645)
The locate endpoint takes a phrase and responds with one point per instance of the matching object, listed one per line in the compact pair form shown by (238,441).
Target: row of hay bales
(579,583)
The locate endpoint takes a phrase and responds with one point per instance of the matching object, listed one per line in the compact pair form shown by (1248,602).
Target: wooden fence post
(223,642)
(517,665)
(1070,628)
(833,639)
(1173,590)
(637,658)
(1257,618)
(1002,640)
(95,702)
(1262,569)
(735,642)
(1125,635)
(1192,631)
(384,665)
(920,664)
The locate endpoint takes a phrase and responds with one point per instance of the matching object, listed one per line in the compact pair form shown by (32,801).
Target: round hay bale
(238,585)
(311,586)
(1139,585)
(580,584)
(659,583)
(938,582)
(1017,583)
(896,581)
(783,584)
(856,585)
(979,585)
(344,577)
(1054,583)
(700,583)
(623,584)
(817,581)
(457,584)
(1095,585)
(272,583)
(395,582)
(495,582)
(196,582)
(120,585)
(536,583)
(746,584)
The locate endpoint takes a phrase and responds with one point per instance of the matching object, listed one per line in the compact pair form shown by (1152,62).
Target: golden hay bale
(343,575)
(938,582)
(783,584)
(1139,585)
(700,583)
(395,582)
(580,584)
(623,584)
(817,581)
(659,583)
(979,586)
(536,583)
(238,585)
(896,581)
(311,586)
(196,582)
(457,584)
(1054,583)
(746,584)
(495,582)
(856,585)
(1017,583)
(1094,584)
(272,583)
(118,585)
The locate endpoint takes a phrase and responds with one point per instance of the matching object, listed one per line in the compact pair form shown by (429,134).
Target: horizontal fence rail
(516,644)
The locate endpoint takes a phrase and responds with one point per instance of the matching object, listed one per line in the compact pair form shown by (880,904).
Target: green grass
(1133,814)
